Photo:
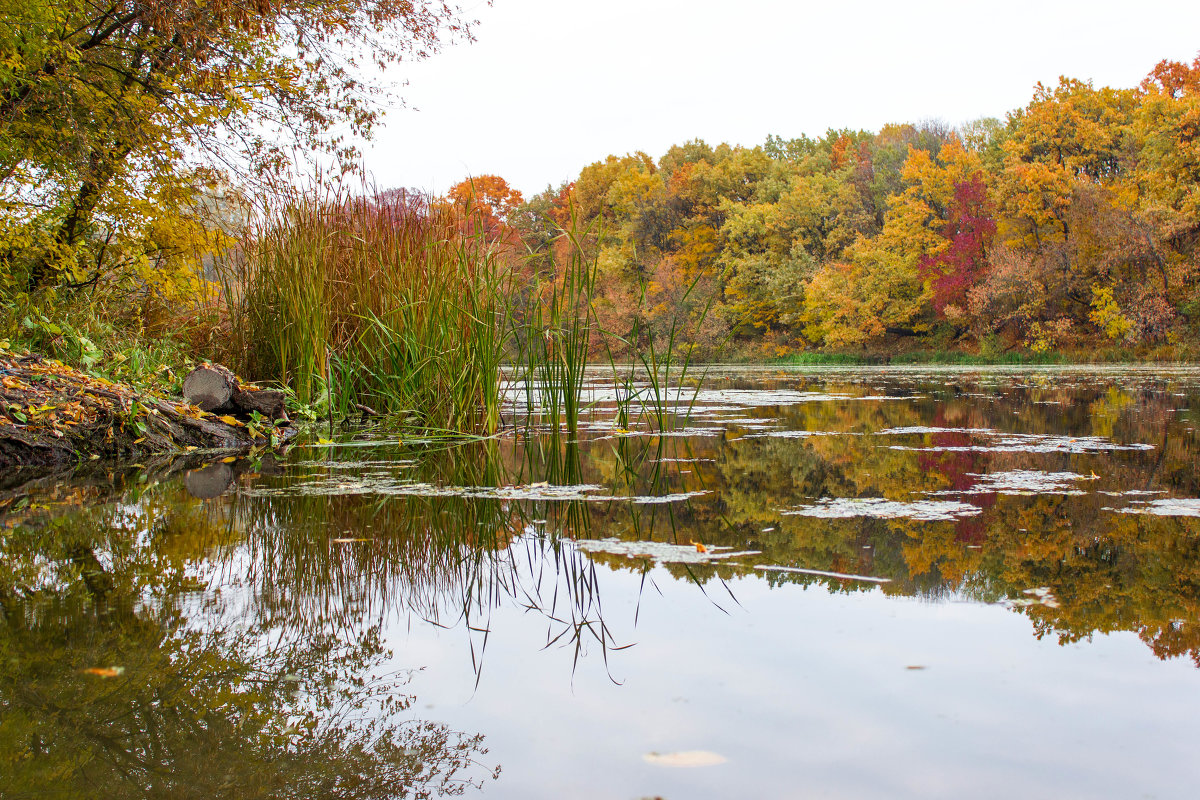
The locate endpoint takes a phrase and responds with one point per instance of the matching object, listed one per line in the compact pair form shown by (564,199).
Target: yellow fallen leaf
(229,460)
(228,420)
(105,672)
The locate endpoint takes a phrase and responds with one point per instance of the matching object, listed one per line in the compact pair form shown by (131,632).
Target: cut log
(210,386)
(269,403)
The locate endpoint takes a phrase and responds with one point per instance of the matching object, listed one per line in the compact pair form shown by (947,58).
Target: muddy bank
(54,416)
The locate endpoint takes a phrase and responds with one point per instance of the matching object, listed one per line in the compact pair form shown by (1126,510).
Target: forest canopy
(1073,220)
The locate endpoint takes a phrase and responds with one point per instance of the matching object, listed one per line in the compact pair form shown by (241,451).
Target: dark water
(847,583)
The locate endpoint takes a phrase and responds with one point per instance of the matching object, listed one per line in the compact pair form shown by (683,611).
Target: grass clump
(386,302)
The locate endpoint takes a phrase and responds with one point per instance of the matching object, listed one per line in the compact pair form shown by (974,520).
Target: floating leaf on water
(106,672)
(685,758)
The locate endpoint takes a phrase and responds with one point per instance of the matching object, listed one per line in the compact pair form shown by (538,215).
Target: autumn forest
(1073,223)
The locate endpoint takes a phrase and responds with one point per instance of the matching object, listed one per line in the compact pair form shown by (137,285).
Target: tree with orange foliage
(483,205)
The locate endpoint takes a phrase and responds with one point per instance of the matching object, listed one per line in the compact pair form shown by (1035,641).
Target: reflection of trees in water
(273,676)
(125,677)
(1106,571)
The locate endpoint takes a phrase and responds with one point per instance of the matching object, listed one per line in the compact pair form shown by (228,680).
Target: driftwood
(51,414)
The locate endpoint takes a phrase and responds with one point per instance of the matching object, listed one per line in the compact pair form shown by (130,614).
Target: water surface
(788,583)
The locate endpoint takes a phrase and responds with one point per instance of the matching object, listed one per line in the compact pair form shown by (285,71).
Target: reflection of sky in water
(811,694)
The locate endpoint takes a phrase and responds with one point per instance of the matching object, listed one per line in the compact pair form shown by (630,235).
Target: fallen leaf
(106,672)
(229,460)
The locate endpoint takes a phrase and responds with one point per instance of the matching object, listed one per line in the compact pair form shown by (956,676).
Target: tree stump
(215,388)
(210,387)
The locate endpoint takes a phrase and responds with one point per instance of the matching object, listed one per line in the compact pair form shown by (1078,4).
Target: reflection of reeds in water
(321,560)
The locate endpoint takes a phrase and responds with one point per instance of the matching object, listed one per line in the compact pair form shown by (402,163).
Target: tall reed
(554,335)
(387,302)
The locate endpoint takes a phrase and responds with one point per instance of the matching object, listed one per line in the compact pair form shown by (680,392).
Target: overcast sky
(551,86)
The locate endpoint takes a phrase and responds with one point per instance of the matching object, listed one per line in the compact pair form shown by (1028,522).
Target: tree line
(1071,222)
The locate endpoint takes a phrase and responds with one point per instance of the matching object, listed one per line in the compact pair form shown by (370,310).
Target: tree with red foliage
(969,227)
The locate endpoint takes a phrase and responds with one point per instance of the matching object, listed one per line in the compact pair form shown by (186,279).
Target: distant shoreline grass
(1111,356)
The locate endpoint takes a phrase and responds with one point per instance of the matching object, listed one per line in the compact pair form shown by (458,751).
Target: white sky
(551,86)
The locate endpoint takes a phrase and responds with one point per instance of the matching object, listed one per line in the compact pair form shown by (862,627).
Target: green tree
(113,115)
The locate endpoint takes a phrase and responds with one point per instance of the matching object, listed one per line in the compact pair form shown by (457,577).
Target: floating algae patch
(1166,507)
(383,486)
(912,430)
(1027,481)
(878,507)
(661,552)
(653,499)
(823,573)
(799,434)
(993,442)
(1037,596)
(378,464)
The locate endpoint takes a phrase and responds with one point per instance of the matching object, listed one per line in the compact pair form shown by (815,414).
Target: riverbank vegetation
(150,217)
